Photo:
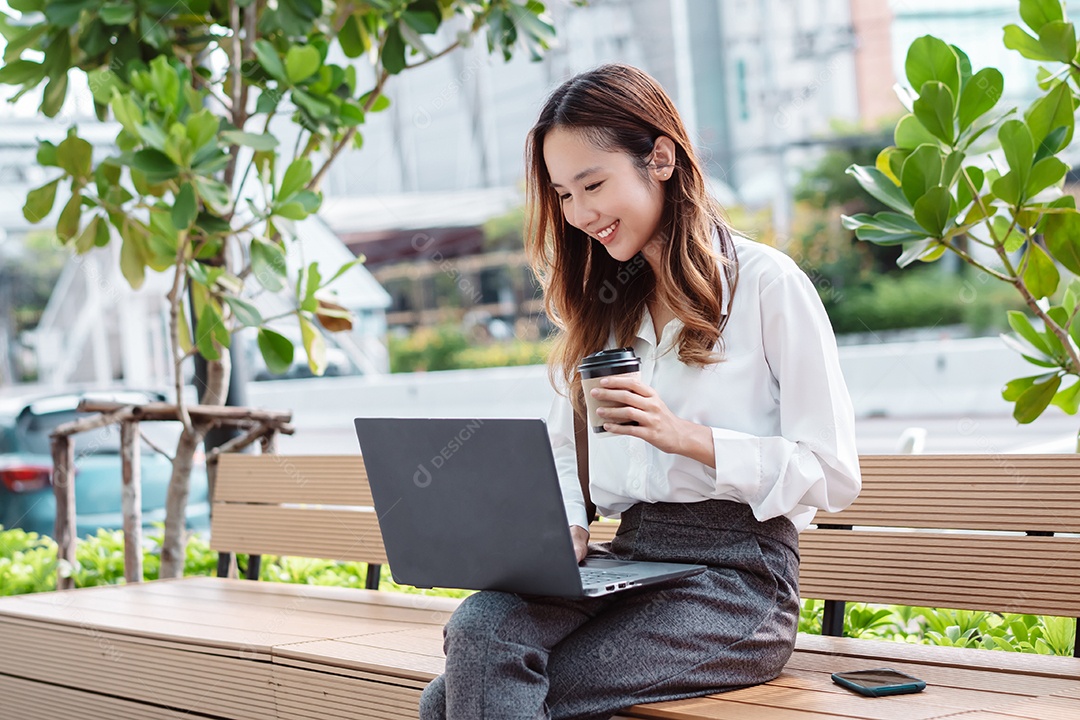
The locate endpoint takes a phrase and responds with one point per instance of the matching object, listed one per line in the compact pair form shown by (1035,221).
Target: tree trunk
(173,548)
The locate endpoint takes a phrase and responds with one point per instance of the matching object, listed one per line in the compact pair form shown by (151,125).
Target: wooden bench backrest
(306,505)
(904,548)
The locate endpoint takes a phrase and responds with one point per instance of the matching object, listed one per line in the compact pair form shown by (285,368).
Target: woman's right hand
(581,541)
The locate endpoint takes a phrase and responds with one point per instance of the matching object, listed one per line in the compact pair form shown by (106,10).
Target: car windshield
(34,434)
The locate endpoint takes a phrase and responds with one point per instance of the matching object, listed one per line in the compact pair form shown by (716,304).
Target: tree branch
(436,56)
(175,295)
(349,134)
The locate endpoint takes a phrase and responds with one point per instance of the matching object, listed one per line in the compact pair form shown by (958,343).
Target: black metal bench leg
(371,580)
(254,564)
(224,559)
(832,619)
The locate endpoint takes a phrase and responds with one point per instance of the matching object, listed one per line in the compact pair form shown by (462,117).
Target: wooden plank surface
(334,532)
(284,479)
(923,569)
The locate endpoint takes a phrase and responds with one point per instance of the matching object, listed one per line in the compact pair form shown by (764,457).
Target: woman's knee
(433,700)
(479,615)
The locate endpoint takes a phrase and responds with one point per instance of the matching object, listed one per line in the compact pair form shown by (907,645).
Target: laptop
(476,504)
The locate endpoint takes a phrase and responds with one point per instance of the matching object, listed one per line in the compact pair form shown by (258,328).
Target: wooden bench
(227,648)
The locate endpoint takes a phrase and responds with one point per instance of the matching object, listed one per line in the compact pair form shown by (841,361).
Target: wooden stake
(63,481)
(131,500)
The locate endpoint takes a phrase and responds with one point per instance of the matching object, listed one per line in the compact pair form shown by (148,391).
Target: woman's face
(604,194)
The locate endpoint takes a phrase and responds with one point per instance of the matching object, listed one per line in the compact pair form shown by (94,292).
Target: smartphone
(878,683)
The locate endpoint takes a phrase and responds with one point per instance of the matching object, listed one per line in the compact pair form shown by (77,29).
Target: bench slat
(1036,574)
(283,479)
(342,534)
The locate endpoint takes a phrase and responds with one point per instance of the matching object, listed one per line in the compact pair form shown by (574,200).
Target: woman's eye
(592,187)
(564,197)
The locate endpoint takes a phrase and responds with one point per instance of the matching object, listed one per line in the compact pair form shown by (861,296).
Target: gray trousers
(511,656)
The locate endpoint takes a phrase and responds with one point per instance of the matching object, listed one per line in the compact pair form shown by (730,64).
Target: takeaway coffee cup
(595,367)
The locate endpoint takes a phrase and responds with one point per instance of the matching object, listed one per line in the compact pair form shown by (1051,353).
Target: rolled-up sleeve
(560,426)
(813,463)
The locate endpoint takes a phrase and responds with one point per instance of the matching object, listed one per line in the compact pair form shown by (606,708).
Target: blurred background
(781,96)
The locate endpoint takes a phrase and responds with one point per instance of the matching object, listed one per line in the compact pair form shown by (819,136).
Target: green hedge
(923,299)
(448,348)
(28,564)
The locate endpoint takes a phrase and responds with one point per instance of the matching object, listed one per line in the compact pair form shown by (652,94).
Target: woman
(738,429)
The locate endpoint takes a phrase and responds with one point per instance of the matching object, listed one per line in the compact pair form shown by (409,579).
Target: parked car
(26,493)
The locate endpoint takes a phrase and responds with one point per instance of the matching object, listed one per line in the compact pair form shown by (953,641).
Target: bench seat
(267,650)
(979,532)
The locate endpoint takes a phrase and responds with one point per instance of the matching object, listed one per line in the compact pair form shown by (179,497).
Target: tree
(199,187)
(949,178)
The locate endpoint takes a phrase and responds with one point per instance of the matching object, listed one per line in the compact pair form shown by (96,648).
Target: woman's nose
(582,214)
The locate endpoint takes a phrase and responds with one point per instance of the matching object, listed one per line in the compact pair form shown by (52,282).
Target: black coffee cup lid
(609,358)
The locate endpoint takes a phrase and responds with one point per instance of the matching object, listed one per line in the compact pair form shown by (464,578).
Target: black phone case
(911,685)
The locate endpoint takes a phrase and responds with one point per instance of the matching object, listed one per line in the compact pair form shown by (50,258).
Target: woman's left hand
(656,424)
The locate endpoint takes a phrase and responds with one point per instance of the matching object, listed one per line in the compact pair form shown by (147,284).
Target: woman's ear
(662,163)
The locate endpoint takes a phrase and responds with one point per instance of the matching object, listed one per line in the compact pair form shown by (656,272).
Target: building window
(740,83)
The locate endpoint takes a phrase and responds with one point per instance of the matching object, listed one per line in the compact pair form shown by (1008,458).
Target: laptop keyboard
(603,577)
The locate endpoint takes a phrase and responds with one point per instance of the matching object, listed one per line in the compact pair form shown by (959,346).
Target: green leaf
(933,210)
(206,331)
(1068,399)
(1037,13)
(393,53)
(120,13)
(381,102)
(916,251)
(354,38)
(1020,324)
(68,224)
(277,351)
(202,128)
(878,185)
(1007,233)
(245,312)
(1033,401)
(52,99)
(1058,39)
(257,141)
(313,280)
(1041,274)
(183,331)
(133,253)
(22,71)
(1015,388)
(1019,148)
(270,60)
(185,208)
(65,13)
(910,134)
(921,171)
(964,194)
(290,211)
(156,165)
(301,62)
(88,237)
(980,94)
(268,265)
(1062,235)
(296,178)
(314,345)
(39,201)
(1051,111)
(1045,173)
(214,193)
(931,59)
(1018,40)
(935,109)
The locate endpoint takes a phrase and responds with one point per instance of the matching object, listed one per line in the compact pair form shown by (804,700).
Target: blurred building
(759,84)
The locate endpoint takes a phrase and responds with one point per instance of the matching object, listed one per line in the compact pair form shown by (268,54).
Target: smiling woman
(737,429)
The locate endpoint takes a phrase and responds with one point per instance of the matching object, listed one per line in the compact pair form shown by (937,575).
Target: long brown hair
(587,293)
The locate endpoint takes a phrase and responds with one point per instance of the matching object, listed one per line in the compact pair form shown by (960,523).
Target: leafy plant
(199,185)
(986,184)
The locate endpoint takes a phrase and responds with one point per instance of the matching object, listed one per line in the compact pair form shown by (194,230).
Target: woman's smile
(607,234)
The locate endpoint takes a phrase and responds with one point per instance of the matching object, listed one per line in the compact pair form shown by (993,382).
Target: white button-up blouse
(781,418)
